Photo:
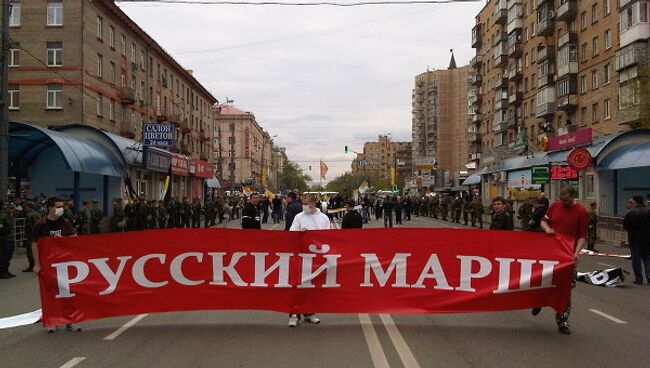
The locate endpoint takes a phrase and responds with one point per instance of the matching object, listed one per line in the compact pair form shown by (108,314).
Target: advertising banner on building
(579,137)
(201,169)
(161,135)
(156,160)
(331,271)
(521,179)
(180,165)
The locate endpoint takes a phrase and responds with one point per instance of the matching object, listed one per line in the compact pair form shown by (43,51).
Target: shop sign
(201,169)
(577,138)
(520,179)
(156,160)
(579,159)
(161,135)
(541,174)
(247,143)
(180,165)
(563,171)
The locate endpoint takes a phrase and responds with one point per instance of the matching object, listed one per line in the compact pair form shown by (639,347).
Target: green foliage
(293,178)
(348,183)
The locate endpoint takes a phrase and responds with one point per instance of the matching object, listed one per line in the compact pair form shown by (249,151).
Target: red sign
(201,169)
(563,171)
(247,142)
(332,271)
(579,137)
(180,165)
(579,159)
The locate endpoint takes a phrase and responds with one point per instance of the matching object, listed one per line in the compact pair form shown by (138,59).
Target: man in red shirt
(569,218)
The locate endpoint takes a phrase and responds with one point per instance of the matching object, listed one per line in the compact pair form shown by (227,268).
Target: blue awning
(27,142)
(636,155)
(213,183)
(473,179)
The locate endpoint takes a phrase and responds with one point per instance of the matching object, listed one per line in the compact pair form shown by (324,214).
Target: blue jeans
(365,215)
(639,258)
(276,216)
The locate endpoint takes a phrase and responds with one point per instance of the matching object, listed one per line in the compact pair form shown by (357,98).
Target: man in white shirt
(311,218)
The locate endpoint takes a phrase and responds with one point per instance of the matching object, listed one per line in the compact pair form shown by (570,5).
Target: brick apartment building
(379,158)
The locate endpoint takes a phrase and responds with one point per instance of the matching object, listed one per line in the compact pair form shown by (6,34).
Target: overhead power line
(292,3)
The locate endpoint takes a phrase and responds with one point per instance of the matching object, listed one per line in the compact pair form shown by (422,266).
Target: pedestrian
(593,227)
(569,218)
(118,220)
(311,218)
(539,211)
(55,225)
(352,218)
(161,211)
(96,216)
(387,208)
(293,208)
(277,209)
(250,218)
(197,210)
(501,220)
(444,207)
(407,207)
(7,245)
(524,213)
(637,224)
(365,208)
(398,210)
(31,217)
(467,210)
(81,220)
(186,213)
(545,203)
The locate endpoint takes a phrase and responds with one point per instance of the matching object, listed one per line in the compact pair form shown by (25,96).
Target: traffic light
(309,167)
(346,149)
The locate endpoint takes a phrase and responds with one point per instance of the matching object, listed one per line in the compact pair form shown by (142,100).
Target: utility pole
(4,104)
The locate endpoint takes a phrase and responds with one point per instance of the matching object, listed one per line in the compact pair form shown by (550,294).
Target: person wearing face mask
(311,218)
(54,224)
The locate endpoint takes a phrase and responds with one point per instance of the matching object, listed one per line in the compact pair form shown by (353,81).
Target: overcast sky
(318,77)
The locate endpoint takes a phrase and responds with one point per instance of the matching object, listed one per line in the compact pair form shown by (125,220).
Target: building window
(54,54)
(594,79)
(133,53)
(100,28)
(594,13)
(111,110)
(606,8)
(54,100)
(100,65)
(14,15)
(123,44)
(14,56)
(142,60)
(608,38)
(583,52)
(589,186)
(634,14)
(14,97)
(594,113)
(583,20)
(594,46)
(111,37)
(583,116)
(55,13)
(583,84)
(606,73)
(606,109)
(111,72)
(99,104)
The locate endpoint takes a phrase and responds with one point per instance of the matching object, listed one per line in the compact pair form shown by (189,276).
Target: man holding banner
(569,218)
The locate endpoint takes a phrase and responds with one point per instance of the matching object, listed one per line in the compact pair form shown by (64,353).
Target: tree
(293,178)
(347,183)
(317,188)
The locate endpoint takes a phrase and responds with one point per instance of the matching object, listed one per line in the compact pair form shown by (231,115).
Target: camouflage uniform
(196,214)
(96,216)
(593,229)
(82,220)
(525,213)
(467,210)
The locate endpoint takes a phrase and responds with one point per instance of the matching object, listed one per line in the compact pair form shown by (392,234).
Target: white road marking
(403,350)
(72,362)
(274,226)
(125,327)
(605,264)
(613,319)
(376,352)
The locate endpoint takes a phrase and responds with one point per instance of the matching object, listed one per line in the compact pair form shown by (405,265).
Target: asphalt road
(610,328)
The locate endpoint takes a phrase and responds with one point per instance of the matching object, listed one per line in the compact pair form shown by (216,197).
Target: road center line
(125,327)
(376,352)
(72,362)
(396,337)
(605,264)
(613,319)
(274,226)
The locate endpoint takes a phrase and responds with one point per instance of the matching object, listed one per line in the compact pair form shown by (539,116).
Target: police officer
(7,226)
(81,220)
(96,216)
(118,220)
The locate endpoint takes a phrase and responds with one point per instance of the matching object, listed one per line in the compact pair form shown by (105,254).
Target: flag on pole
(364,187)
(323,169)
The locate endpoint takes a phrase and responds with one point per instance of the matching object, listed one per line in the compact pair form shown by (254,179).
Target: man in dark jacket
(352,218)
(501,220)
(637,224)
(387,208)
(293,208)
(250,215)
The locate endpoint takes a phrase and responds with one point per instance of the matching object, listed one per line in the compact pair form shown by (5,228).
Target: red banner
(560,142)
(337,271)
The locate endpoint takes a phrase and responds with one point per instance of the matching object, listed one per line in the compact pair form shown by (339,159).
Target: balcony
(636,53)
(630,115)
(514,50)
(545,52)
(476,61)
(546,27)
(474,138)
(474,118)
(623,3)
(185,126)
(476,36)
(500,82)
(539,3)
(501,104)
(545,109)
(569,37)
(515,98)
(475,156)
(474,79)
(500,54)
(545,80)
(127,130)
(567,11)
(564,69)
(514,24)
(515,73)
(185,148)
(203,136)
(567,103)
(499,126)
(500,15)
(499,38)
(161,116)
(127,95)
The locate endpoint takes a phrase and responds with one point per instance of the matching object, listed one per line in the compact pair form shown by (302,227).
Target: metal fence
(610,229)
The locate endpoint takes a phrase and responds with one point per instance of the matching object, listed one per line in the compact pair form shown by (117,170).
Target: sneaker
(563,328)
(72,328)
(535,311)
(52,329)
(311,318)
(293,320)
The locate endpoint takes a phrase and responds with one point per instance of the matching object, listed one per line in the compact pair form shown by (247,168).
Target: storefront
(201,171)
(157,162)
(181,183)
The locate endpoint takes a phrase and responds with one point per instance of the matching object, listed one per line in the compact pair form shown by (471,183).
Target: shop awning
(213,183)
(636,155)
(27,142)
(473,179)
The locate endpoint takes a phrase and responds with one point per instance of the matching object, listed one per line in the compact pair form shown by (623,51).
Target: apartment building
(88,62)
(440,115)
(245,151)
(379,159)
(541,65)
